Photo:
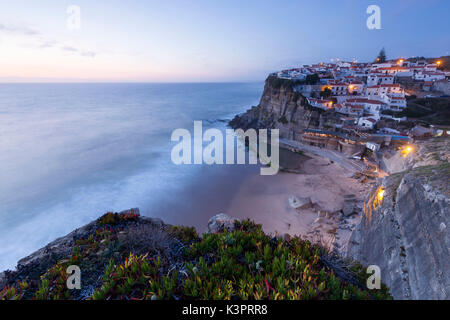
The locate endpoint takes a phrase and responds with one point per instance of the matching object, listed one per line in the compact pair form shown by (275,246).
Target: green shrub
(112,219)
(243,264)
(14,292)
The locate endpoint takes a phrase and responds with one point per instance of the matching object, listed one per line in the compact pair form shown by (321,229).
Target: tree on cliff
(381,56)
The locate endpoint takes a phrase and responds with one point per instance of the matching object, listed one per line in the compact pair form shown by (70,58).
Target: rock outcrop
(141,232)
(405,231)
(280,107)
(300,203)
(220,223)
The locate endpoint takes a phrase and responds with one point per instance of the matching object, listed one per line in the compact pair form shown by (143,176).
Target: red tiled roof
(394,85)
(393,68)
(363,100)
(432,73)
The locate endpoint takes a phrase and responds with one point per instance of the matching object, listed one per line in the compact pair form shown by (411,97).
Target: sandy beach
(265,199)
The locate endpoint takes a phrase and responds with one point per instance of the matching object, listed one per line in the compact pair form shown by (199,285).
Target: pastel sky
(207,40)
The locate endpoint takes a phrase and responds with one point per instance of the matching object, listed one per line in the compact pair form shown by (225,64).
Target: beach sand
(265,199)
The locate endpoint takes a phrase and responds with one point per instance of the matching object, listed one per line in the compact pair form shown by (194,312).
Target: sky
(206,41)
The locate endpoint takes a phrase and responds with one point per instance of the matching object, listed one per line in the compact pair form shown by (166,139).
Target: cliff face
(406,233)
(280,108)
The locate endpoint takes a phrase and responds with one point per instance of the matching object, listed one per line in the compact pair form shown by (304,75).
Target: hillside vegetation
(428,110)
(124,256)
(445,61)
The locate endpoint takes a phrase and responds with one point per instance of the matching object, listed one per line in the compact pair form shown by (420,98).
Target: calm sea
(71,152)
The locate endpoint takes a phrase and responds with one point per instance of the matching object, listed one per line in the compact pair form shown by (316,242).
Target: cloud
(83,53)
(44,43)
(18,30)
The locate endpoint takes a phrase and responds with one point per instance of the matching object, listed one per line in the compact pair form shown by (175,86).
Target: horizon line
(126,82)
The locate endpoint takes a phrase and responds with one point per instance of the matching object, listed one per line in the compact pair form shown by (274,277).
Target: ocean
(72,152)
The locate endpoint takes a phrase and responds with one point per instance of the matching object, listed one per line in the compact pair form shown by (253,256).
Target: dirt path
(349,164)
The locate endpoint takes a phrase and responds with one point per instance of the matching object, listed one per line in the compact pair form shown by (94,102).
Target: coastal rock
(406,235)
(2,279)
(349,205)
(280,107)
(131,211)
(133,234)
(221,222)
(299,203)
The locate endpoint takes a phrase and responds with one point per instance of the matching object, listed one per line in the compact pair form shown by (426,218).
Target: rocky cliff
(280,107)
(405,231)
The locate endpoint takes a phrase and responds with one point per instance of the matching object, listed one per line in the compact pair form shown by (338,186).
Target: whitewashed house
(375,79)
(429,76)
(319,103)
(366,123)
(375,92)
(350,109)
(370,106)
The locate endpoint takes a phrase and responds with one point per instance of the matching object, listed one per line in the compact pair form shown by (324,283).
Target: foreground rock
(100,241)
(221,222)
(300,203)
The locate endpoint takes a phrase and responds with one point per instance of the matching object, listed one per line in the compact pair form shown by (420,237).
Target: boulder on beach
(221,222)
(299,203)
(349,205)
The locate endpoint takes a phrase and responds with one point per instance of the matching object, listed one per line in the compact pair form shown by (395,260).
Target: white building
(429,75)
(375,79)
(395,103)
(370,106)
(356,110)
(336,87)
(393,70)
(375,92)
(431,67)
(381,65)
(366,123)
(319,103)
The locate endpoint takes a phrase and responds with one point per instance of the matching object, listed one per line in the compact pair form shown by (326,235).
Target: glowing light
(380,194)
(407,150)
(438,62)
(400,61)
